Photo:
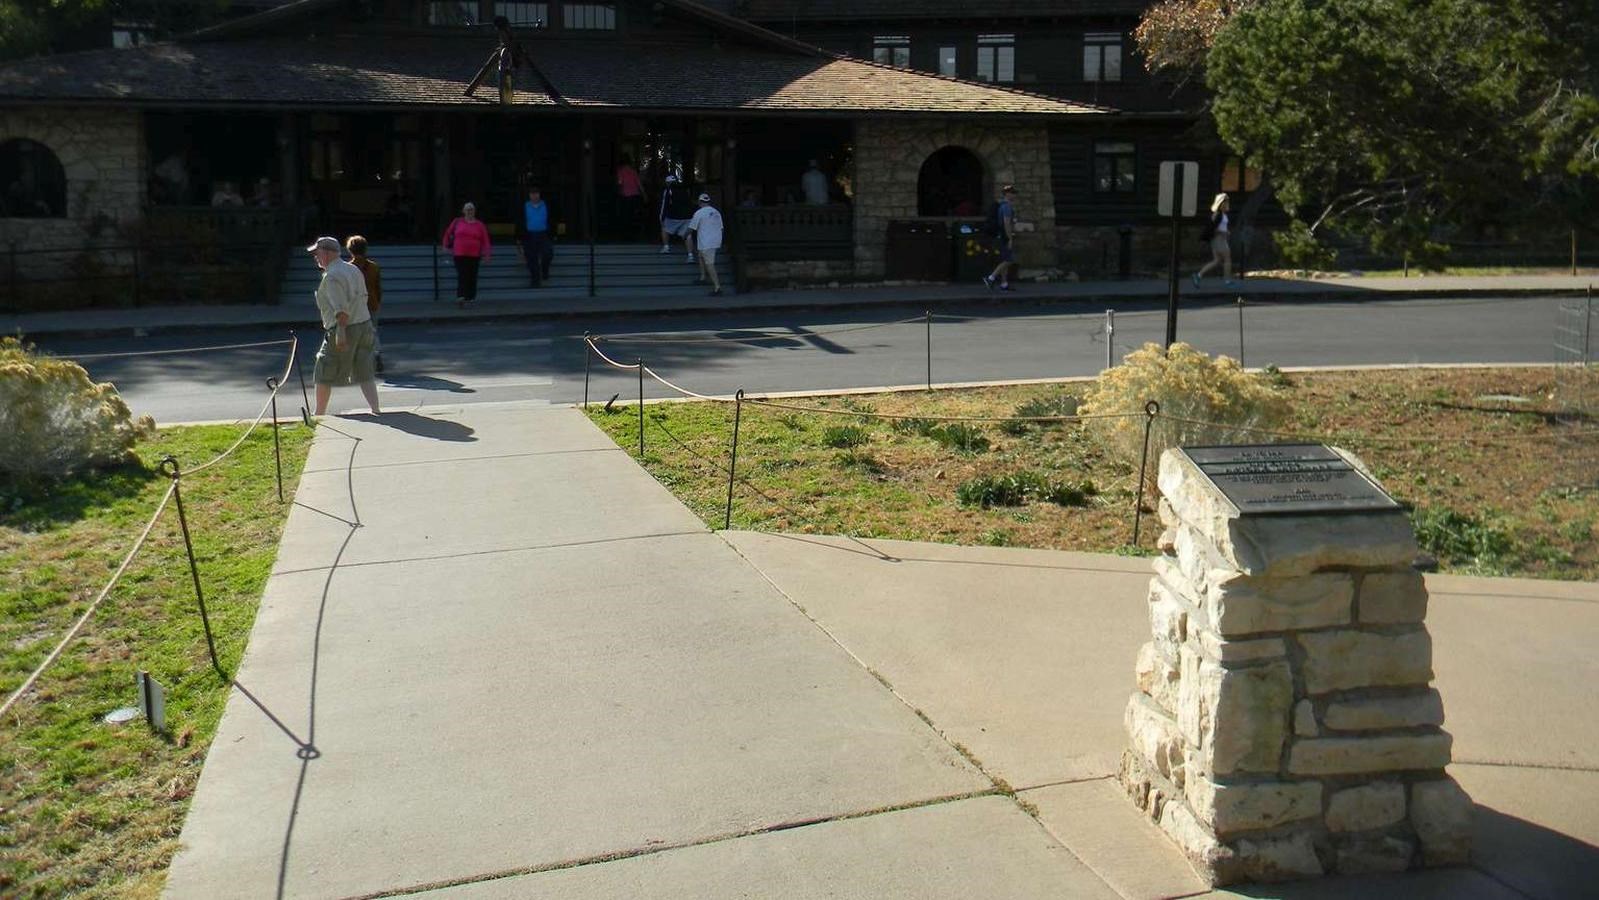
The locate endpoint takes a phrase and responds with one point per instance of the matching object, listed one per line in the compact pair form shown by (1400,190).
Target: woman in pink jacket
(467,240)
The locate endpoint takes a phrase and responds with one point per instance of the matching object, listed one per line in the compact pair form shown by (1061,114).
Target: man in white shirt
(706,227)
(347,336)
(814,183)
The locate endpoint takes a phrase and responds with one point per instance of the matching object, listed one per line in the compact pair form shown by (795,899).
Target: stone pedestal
(1284,726)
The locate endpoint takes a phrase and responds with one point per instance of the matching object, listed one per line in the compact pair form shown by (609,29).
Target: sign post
(1179,196)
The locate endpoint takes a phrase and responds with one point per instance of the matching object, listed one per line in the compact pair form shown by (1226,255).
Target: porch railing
(778,233)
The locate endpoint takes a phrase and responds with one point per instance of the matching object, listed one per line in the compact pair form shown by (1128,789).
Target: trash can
(917,251)
(975,253)
(1124,257)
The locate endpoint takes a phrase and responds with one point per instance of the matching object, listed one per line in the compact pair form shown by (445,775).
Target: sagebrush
(55,421)
(1222,403)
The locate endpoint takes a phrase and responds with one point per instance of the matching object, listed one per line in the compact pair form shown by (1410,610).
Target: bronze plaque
(1288,479)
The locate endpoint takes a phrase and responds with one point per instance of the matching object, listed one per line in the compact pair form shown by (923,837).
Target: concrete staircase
(620,270)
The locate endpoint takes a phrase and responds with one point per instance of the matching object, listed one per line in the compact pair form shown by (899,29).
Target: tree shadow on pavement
(421,426)
(425,383)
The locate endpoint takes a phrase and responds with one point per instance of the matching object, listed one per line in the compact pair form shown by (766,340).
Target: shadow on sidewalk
(425,383)
(421,426)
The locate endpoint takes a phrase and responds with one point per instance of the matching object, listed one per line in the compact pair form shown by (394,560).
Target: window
(996,57)
(1237,175)
(891,50)
(452,12)
(32,182)
(946,61)
(589,16)
(132,34)
(524,14)
(1102,56)
(1115,167)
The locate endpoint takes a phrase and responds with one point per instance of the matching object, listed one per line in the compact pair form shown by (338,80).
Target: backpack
(1209,231)
(992,224)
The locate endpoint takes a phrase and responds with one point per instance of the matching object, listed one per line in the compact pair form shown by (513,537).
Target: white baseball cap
(705,198)
(325,243)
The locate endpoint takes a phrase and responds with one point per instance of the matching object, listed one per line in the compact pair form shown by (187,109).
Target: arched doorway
(950,184)
(32,183)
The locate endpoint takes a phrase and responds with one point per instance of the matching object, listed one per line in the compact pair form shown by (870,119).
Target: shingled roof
(781,11)
(433,71)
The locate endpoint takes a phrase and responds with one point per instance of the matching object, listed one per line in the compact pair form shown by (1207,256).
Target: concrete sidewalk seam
(531,549)
(1049,784)
(638,852)
(461,459)
(1001,786)
(1511,764)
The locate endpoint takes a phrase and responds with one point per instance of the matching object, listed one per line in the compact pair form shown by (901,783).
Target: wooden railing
(772,233)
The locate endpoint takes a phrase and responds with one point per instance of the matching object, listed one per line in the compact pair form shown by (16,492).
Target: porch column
(440,149)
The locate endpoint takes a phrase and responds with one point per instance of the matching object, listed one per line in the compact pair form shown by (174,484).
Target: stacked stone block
(1284,726)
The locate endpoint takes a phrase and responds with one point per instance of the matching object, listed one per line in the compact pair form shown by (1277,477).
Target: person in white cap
(347,335)
(706,229)
(814,184)
(676,208)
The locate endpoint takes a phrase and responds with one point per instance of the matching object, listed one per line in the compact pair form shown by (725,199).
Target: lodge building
(336,116)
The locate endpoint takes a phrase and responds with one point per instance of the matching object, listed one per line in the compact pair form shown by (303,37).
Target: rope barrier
(877,415)
(83,619)
(277,384)
(83,356)
(1323,439)
(609,361)
(684,391)
(753,336)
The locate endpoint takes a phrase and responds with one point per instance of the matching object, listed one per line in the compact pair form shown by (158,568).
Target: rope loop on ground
(180,350)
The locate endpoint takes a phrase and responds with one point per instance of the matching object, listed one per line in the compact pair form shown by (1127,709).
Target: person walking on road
(346,352)
(534,230)
(1003,226)
(372,274)
(706,229)
(1217,232)
(677,207)
(467,242)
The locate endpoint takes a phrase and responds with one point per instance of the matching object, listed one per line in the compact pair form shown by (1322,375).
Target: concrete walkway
(496,659)
(572,305)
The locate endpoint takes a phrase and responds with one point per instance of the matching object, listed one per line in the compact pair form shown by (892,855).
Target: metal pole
(732,463)
(1171,287)
(277,447)
(929,349)
(1151,410)
(1573,251)
(641,410)
(305,395)
(588,358)
(1240,332)
(435,273)
(1110,338)
(1587,328)
(194,568)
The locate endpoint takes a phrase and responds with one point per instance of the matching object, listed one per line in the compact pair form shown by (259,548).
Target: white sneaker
(689,258)
(665,249)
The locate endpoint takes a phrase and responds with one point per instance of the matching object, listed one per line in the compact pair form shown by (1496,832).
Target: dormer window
(1102,56)
(452,12)
(892,50)
(996,57)
(588,16)
(525,15)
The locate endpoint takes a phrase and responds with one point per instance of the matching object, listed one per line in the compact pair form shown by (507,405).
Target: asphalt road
(433,364)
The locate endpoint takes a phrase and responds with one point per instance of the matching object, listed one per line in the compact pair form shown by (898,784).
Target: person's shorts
(1007,253)
(677,227)
(709,255)
(353,364)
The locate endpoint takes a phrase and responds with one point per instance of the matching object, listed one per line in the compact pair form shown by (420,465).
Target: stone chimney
(1284,726)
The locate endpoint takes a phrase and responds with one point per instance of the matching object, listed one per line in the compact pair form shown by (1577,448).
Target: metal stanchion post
(1241,332)
(1110,338)
(305,395)
(588,358)
(732,462)
(1151,410)
(194,568)
(929,349)
(277,447)
(641,410)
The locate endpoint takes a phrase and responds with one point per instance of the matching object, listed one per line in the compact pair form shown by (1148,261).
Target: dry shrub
(54,421)
(1188,385)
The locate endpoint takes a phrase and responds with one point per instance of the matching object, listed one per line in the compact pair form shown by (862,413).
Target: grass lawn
(1505,507)
(93,809)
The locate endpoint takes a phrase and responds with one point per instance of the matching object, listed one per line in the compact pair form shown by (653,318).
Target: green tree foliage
(1403,120)
(35,27)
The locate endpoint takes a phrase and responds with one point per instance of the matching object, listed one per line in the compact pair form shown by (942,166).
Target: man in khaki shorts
(347,335)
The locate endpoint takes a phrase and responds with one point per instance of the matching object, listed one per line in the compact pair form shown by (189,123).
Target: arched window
(950,184)
(32,184)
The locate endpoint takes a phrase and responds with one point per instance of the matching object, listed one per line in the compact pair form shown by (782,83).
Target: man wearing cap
(706,229)
(347,335)
(676,209)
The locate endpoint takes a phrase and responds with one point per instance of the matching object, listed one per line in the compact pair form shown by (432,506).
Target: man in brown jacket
(373,273)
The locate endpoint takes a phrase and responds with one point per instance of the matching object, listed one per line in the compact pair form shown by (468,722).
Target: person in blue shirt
(533,232)
(1002,223)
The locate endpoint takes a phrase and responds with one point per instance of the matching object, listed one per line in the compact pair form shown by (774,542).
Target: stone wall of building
(889,153)
(792,273)
(1284,726)
(102,154)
